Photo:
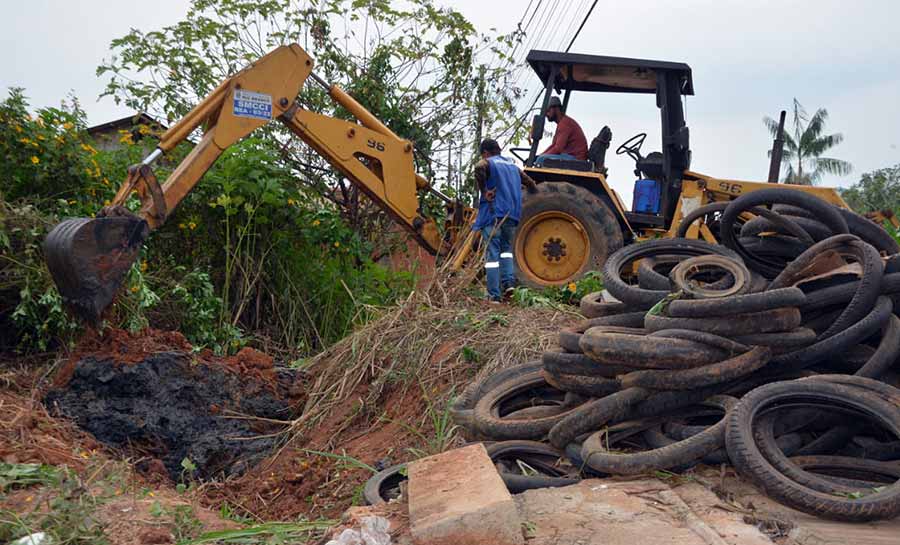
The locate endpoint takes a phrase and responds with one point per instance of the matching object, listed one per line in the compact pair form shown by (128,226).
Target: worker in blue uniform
(500,183)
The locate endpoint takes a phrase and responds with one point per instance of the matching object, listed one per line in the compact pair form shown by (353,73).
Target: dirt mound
(171,406)
(378,397)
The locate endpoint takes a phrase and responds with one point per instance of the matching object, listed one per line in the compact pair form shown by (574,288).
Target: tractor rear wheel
(564,232)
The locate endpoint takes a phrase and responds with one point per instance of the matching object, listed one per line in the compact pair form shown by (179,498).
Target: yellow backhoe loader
(567,228)
(576,220)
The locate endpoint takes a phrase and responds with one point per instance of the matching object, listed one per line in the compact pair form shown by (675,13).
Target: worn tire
(593,305)
(824,212)
(489,423)
(641,298)
(375,492)
(766,321)
(677,454)
(603,230)
(736,304)
(645,352)
(750,461)
(707,375)
(564,363)
(461,409)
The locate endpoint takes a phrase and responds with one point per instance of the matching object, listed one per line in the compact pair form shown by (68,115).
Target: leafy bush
(250,252)
(569,294)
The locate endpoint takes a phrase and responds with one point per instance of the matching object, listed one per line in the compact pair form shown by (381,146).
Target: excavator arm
(89,258)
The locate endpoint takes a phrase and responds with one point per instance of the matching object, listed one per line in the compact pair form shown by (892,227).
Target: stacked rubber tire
(774,352)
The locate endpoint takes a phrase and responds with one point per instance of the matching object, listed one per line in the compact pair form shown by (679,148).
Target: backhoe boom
(89,258)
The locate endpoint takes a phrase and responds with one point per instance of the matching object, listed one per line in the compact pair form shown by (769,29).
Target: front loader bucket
(89,258)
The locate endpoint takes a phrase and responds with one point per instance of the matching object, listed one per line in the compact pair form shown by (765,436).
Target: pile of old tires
(774,352)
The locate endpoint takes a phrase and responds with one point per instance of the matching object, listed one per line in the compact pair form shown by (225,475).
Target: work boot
(509,288)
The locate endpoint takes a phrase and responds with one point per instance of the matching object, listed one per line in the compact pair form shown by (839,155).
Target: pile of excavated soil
(376,396)
(222,414)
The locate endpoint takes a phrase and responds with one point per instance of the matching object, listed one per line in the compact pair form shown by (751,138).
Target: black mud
(171,408)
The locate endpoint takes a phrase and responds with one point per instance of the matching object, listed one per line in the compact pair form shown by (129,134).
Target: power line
(572,42)
(585,20)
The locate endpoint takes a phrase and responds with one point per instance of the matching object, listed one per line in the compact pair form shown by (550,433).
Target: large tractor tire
(564,232)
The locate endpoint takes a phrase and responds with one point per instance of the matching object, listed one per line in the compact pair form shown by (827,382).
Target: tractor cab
(659,173)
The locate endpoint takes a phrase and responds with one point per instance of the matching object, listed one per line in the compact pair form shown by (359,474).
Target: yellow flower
(105,181)
(35,160)
(68,125)
(25,141)
(181,226)
(143,266)
(134,289)
(85,454)
(337,244)
(85,147)
(126,139)
(106,202)
(40,137)
(97,172)
(192,225)
(291,202)
(60,139)
(572,287)
(72,201)
(18,128)
(144,129)
(316,223)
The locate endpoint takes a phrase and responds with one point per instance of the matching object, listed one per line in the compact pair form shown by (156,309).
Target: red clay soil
(125,347)
(295,482)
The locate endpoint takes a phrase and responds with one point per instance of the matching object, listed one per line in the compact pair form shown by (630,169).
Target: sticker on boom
(250,104)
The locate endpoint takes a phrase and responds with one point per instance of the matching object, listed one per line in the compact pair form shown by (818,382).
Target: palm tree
(804,148)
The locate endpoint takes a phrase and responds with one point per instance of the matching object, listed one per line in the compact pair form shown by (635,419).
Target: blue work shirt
(506,179)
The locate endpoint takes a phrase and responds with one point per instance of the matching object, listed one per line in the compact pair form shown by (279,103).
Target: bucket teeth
(88,259)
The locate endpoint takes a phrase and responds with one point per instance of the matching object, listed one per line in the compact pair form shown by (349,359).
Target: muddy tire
(572,225)
(750,462)
(384,485)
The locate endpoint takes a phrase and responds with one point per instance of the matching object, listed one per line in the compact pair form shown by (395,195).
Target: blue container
(646,197)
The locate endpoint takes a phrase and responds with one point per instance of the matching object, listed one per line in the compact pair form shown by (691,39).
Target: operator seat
(597,151)
(651,166)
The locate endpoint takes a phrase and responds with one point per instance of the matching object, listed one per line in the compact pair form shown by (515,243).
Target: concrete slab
(457,497)
(607,512)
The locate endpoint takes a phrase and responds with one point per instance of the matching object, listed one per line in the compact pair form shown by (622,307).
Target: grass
(63,504)
(435,338)
(270,532)
(439,421)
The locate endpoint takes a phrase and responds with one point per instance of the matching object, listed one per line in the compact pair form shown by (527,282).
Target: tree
(878,190)
(412,63)
(805,146)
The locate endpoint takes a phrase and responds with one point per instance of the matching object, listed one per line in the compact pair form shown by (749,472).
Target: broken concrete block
(458,497)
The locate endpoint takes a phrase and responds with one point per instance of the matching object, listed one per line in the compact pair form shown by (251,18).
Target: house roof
(126,123)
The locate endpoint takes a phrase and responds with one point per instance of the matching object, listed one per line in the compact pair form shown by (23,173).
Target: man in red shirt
(569,141)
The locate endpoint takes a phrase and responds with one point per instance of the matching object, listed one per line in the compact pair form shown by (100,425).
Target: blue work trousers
(498,257)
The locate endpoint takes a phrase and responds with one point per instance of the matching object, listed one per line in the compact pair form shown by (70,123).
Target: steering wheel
(632,146)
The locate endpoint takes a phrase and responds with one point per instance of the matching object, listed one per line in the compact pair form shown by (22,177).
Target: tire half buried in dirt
(564,232)
(172,408)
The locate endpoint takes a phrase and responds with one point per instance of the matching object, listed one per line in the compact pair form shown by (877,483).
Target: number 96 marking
(729,187)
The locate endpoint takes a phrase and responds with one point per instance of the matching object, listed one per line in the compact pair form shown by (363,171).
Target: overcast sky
(749,59)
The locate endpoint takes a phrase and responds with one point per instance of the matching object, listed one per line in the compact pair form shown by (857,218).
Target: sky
(749,59)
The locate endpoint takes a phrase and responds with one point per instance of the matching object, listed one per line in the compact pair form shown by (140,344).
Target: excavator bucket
(89,258)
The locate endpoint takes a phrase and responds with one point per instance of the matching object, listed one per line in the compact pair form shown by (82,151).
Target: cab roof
(595,73)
